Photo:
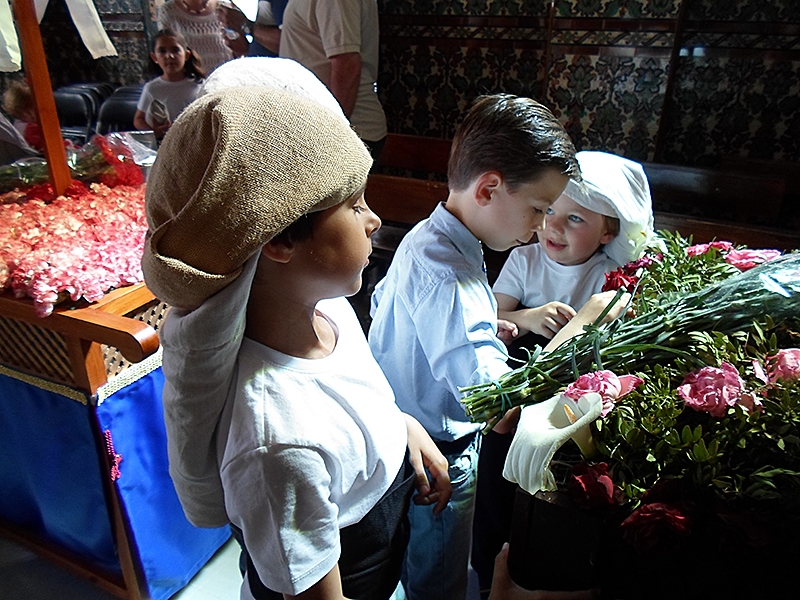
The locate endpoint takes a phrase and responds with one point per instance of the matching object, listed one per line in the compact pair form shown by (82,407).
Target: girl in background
(164,97)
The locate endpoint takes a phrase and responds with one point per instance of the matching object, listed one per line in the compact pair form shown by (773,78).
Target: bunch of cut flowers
(699,434)
(78,245)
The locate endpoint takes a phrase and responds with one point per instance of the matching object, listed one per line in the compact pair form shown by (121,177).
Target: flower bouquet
(697,447)
(110,160)
(79,245)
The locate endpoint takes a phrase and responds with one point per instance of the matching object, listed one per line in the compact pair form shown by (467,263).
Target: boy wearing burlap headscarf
(279,421)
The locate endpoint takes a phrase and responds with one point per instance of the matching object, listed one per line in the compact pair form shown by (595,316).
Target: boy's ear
(153,57)
(279,251)
(485,186)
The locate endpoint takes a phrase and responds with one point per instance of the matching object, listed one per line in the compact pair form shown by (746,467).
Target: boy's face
(572,233)
(338,251)
(512,218)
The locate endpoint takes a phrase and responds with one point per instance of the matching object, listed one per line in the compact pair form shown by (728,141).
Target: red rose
(619,280)
(655,525)
(591,486)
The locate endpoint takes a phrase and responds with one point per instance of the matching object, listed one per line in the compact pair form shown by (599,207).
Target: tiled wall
(603,66)
(70,62)
(610,69)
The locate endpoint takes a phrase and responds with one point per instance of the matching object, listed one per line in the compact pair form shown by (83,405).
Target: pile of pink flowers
(78,246)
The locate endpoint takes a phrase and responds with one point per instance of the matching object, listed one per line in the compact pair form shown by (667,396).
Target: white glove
(542,429)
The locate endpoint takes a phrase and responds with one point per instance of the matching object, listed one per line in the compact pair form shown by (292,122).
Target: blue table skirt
(50,477)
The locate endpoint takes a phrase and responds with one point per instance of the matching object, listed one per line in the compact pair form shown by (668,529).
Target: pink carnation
(699,249)
(712,389)
(610,387)
(747,259)
(784,365)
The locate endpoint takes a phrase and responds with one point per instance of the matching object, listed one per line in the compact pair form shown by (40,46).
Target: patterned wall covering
(603,67)
(70,62)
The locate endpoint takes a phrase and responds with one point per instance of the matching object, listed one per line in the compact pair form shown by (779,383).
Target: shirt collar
(463,239)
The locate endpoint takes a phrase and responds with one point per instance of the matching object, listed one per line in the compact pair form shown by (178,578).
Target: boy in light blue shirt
(434,325)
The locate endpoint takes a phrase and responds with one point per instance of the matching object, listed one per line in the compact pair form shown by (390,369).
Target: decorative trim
(49,386)
(128,376)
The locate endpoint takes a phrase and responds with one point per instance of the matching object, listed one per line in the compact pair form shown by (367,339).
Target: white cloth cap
(616,187)
(275,73)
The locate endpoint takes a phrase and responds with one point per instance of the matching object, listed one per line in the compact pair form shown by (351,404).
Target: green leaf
(700,452)
(686,435)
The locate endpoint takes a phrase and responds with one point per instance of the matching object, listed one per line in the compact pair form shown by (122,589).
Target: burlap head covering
(235,169)
(616,187)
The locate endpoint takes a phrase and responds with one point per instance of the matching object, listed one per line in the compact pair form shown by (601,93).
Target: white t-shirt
(315,30)
(174,95)
(535,279)
(312,446)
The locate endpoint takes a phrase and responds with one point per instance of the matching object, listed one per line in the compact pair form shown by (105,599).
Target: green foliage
(651,436)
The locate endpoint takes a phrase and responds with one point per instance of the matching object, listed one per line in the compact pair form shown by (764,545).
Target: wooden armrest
(135,339)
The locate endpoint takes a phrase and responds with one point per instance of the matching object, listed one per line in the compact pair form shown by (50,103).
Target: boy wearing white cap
(279,421)
(594,227)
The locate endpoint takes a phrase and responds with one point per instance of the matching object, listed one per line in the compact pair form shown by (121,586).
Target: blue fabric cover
(171,549)
(50,480)
(50,472)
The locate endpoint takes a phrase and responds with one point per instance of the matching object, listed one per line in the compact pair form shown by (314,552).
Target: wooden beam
(36,71)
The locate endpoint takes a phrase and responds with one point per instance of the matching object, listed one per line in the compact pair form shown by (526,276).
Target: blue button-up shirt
(435,323)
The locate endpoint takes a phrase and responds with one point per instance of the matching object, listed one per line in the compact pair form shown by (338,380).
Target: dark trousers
(372,549)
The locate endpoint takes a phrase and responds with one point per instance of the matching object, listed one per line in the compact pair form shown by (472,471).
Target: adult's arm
(268,36)
(345,77)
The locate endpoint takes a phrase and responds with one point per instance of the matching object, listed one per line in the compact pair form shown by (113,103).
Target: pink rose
(610,387)
(784,365)
(712,389)
(591,486)
(699,249)
(747,259)
(655,525)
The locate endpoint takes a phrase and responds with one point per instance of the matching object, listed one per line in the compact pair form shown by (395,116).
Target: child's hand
(506,330)
(161,129)
(546,320)
(424,454)
(597,304)
(588,313)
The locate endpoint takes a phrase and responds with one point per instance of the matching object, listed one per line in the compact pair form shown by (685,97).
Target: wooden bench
(403,201)
(729,195)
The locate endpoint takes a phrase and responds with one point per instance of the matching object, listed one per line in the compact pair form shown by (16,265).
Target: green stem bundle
(658,335)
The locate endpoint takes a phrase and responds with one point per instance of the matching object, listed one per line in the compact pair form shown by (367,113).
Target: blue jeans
(438,552)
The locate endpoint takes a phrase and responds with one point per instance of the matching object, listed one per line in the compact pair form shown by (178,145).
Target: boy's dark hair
(515,136)
(193,67)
